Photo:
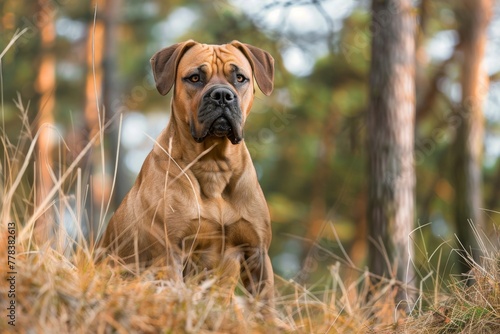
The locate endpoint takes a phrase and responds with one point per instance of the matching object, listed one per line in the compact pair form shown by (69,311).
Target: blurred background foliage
(307,140)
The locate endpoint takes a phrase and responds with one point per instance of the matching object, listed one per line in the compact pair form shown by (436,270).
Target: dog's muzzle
(219,115)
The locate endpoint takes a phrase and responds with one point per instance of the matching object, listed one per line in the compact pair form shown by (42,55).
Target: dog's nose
(222,95)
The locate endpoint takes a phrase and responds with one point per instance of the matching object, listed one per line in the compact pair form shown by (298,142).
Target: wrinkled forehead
(216,57)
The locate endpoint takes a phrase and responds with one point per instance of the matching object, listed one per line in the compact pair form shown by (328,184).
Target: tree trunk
(94,117)
(93,85)
(468,145)
(100,99)
(391,118)
(46,88)
(110,97)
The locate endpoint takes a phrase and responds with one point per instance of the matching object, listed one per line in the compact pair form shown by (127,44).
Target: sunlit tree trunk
(93,84)
(391,117)
(110,97)
(94,117)
(45,86)
(468,146)
(100,93)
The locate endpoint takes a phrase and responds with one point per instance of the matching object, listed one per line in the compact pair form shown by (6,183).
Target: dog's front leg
(229,272)
(258,276)
(168,267)
(164,253)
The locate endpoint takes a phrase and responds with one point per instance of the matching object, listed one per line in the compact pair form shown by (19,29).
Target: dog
(196,206)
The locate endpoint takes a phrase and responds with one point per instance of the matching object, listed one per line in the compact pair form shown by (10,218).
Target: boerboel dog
(196,205)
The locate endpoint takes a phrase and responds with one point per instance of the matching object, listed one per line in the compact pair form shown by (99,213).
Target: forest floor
(61,293)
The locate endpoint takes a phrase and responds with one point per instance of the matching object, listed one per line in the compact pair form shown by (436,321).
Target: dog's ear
(164,65)
(262,65)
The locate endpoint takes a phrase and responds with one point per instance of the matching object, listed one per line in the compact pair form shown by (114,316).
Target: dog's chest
(215,185)
(220,208)
(220,211)
(219,222)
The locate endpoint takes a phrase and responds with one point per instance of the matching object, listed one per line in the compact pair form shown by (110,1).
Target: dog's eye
(240,78)
(194,78)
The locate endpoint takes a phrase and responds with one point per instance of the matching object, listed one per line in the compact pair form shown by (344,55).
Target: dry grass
(55,293)
(59,288)
(469,307)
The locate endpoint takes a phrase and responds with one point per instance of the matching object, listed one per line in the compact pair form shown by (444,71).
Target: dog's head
(213,84)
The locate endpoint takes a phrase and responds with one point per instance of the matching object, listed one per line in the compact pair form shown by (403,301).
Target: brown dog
(196,205)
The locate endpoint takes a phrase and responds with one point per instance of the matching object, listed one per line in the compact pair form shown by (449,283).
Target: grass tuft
(472,304)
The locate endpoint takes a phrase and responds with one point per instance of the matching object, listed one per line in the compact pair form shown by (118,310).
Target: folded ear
(164,65)
(262,64)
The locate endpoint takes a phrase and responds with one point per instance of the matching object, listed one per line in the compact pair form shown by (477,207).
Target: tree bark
(391,118)
(100,108)
(45,87)
(94,119)
(110,96)
(468,145)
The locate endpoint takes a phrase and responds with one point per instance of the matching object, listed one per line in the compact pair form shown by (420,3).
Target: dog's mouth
(220,127)
(218,122)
